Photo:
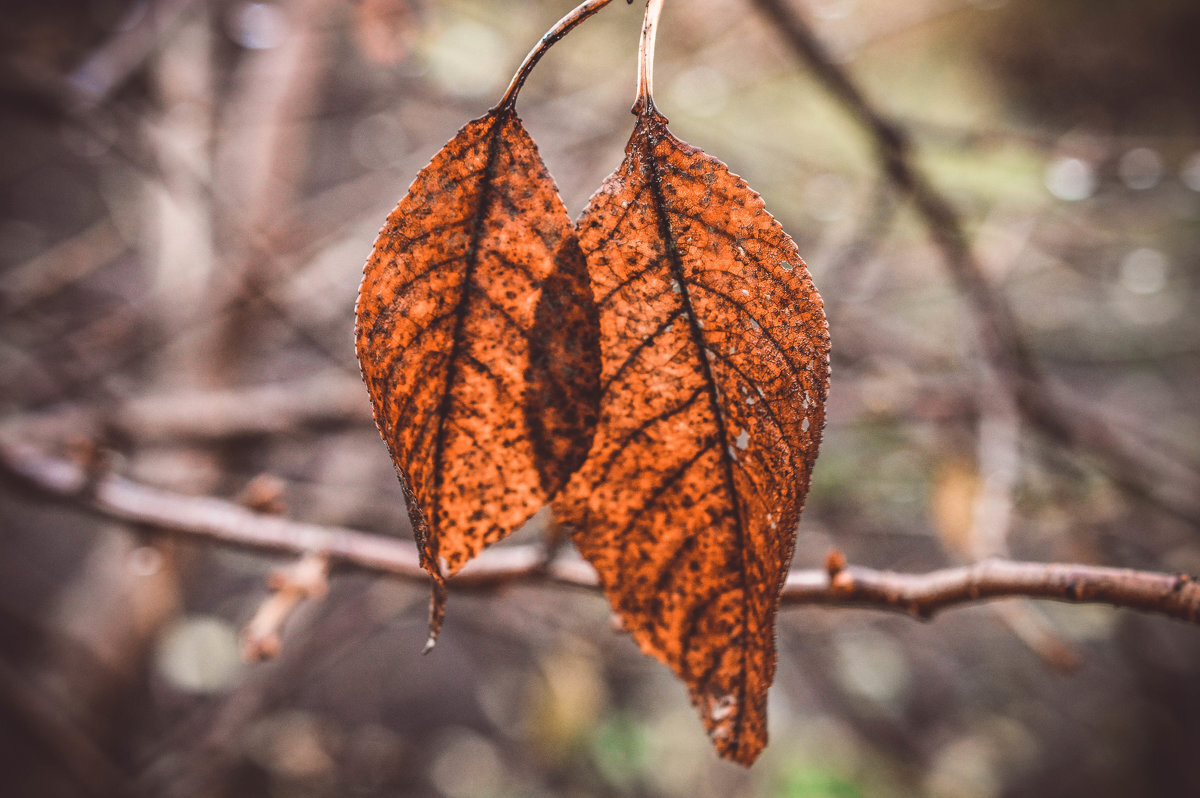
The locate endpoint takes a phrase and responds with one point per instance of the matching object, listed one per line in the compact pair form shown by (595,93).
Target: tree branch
(1138,469)
(325,400)
(225,523)
(921,595)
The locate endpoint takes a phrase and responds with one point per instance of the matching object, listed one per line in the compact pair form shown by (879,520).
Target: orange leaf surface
(477,337)
(715,370)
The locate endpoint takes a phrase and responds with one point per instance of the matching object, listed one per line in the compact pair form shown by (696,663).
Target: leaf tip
(437,611)
(733,738)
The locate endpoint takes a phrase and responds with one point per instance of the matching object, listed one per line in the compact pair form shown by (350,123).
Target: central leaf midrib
(483,207)
(675,265)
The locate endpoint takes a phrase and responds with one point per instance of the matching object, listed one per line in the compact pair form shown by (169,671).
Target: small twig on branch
(1142,471)
(921,595)
(290,587)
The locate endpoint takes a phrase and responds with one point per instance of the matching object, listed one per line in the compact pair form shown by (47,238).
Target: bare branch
(921,595)
(1141,470)
(110,66)
(327,399)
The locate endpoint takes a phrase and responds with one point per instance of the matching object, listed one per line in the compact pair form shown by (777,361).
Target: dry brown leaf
(715,371)
(477,336)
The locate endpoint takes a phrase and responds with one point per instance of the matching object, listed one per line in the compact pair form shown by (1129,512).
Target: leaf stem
(645,91)
(561,28)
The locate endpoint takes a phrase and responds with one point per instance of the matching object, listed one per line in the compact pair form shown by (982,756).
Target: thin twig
(226,523)
(305,579)
(1142,472)
(568,23)
(118,58)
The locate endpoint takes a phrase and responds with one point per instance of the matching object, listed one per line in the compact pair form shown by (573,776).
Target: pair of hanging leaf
(656,372)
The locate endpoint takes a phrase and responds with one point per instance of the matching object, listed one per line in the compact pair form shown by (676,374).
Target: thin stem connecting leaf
(568,23)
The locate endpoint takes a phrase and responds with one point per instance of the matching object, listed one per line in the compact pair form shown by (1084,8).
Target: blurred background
(188,191)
